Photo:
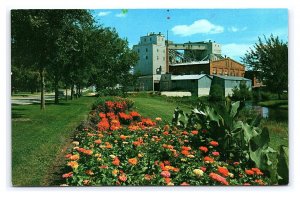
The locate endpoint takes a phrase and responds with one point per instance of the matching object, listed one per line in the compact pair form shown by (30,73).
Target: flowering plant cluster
(128,149)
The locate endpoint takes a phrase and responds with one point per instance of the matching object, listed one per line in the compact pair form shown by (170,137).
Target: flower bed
(125,148)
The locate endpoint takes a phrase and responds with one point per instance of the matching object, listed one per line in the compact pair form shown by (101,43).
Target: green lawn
(38,138)
(159,107)
(283,104)
(153,107)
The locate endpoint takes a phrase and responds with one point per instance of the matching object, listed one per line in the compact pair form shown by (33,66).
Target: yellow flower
(112,156)
(140,155)
(75,143)
(73,164)
(230,175)
(115,172)
(198,172)
(190,156)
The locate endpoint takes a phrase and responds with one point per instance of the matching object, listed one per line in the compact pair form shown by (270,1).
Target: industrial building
(167,66)
(198,85)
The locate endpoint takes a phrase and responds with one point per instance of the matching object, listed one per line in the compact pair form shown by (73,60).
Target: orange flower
(259,181)
(218,178)
(223,171)
(67,175)
(86,182)
(73,164)
(208,159)
(249,172)
(186,148)
(108,145)
(74,157)
(185,152)
(123,177)
(184,184)
(115,172)
(185,133)
(89,172)
(203,149)
(165,174)
(148,177)
(257,171)
(132,161)
(97,141)
(215,154)
(168,180)
(88,152)
(194,132)
(68,155)
(214,143)
(116,161)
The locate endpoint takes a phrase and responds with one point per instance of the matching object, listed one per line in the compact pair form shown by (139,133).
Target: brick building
(223,67)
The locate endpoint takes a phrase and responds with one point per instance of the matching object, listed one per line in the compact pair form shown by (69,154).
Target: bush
(241,93)
(216,93)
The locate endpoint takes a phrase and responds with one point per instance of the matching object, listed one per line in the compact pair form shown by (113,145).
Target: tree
(270,57)
(241,93)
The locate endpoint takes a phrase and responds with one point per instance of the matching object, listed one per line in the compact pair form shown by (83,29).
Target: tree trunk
(72,91)
(66,93)
(56,97)
(42,75)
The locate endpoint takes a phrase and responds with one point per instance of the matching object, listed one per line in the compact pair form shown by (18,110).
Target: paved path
(32,99)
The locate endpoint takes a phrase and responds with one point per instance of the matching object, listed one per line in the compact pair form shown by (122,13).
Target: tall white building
(152,60)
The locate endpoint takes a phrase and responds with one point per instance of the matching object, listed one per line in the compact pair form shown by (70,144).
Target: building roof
(187,77)
(232,78)
(190,63)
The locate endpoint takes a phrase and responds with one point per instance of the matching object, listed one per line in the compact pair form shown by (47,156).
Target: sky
(235,29)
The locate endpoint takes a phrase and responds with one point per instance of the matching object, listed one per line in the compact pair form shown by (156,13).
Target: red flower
(257,171)
(203,149)
(209,159)
(184,184)
(67,175)
(116,161)
(203,169)
(215,153)
(204,131)
(218,178)
(165,174)
(249,172)
(214,143)
(223,171)
(122,177)
(194,132)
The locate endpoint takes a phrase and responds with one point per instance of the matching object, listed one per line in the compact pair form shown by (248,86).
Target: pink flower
(165,174)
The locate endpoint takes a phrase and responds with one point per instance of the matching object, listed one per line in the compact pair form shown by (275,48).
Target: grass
(155,106)
(275,103)
(38,138)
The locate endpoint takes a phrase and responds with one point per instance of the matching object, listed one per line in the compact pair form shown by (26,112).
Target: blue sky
(235,29)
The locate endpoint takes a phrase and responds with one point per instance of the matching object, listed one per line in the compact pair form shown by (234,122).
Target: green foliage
(241,93)
(241,141)
(216,93)
(270,57)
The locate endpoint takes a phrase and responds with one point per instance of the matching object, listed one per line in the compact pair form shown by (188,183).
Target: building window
(164,58)
(146,57)
(150,39)
(146,49)
(157,50)
(157,58)
(138,50)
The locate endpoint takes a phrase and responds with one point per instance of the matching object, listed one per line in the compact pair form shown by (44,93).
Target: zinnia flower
(215,153)
(198,172)
(194,132)
(203,149)
(249,172)
(184,184)
(132,161)
(116,161)
(165,174)
(74,157)
(214,143)
(73,164)
(257,171)
(67,175)
(223,171)
(208,159)
(218,178)
(122,177)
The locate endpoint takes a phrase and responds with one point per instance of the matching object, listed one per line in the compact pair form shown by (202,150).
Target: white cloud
(120,15)
(202,26)
(103,13)
(236,29)
(235,51)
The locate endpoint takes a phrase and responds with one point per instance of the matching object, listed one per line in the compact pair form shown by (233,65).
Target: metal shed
(197,84)
(229,82)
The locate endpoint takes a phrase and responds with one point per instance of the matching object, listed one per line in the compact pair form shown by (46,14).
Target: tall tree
(270,57)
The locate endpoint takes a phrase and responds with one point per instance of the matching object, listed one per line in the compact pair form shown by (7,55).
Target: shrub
(216,93)
(241,93)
